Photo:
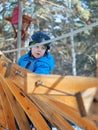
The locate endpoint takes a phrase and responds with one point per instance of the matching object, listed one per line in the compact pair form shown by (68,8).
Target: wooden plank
(54,117)
(87,97)
(3,124)
(7,109)
(56,84)
(93,118)
(30,109)
(16,109)
(68,100)
(17,74)
(13,71)
(80,104)
(67,112)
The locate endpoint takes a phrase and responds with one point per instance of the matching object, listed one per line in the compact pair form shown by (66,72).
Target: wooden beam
(80,104)
(67,112)
(29,108)
(51,114)
(59,85)
(3,123)
(7,109)
(16,109)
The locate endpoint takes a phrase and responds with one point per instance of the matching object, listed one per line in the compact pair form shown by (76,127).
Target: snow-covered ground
(75,128)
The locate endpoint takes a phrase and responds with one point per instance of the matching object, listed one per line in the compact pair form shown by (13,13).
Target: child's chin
(37,56)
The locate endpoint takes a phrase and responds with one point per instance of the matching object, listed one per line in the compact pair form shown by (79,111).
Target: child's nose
(39,49)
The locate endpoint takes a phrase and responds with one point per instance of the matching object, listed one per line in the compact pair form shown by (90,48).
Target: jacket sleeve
(19,61)
(42,68)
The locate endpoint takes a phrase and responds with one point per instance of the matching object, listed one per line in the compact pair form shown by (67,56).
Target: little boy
(38,59)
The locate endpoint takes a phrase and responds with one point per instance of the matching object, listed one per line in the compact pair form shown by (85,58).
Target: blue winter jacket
(42,65)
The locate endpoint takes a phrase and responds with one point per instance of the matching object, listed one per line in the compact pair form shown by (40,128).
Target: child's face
(38,51)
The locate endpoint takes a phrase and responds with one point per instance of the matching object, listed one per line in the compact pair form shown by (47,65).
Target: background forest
(75,54)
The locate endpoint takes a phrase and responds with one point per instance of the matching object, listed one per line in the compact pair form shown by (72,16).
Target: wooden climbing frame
(58,98)
(26,21)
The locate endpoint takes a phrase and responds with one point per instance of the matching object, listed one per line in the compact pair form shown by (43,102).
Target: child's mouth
(38,54)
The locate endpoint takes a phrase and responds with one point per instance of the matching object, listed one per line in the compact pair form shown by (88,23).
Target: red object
(15,15)
(26,20)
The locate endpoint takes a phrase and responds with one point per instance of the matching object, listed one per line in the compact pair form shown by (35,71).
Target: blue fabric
(42,65)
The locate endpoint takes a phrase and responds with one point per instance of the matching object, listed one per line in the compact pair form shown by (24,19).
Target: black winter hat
(39,37)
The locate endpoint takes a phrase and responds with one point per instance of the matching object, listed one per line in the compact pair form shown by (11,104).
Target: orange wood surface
(16,109)
(68,112)
(3,123)
(56,84)
(54,96)
(29,108)
(7,109)
(54,117)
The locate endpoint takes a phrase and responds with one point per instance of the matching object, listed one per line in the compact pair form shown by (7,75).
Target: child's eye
(43,48)
(37,46)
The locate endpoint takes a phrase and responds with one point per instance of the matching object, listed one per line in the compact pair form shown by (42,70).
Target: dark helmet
(39,37)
